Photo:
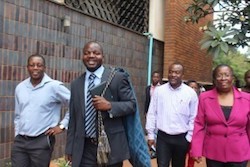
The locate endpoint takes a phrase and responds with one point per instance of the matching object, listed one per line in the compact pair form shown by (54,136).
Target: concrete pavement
(154,164)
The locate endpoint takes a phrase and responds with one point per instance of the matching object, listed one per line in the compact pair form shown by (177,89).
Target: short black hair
(90,42)
(246,73)
(36,55)
(156,72)
(219,66)
(192,81)
(178,63)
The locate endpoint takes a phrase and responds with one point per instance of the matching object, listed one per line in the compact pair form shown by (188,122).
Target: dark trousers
(213,163)
(171,148)
(89,155)
(32,151)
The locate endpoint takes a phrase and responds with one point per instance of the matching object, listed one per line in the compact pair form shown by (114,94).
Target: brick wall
(35,26)
(182,43)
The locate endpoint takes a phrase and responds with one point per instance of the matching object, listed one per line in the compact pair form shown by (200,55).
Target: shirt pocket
(183,107)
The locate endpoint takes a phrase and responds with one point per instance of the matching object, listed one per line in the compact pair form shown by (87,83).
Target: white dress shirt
(98,73)
(172,110)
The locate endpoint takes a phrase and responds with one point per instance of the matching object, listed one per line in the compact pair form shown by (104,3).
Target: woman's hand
(197,159)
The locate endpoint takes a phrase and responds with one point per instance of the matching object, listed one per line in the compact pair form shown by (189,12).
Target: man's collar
(158,84)
(179,87)
(98,73)
(45,79)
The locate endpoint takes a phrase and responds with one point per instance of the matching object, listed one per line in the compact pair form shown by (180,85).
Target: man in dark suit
(81,147)
(156,80)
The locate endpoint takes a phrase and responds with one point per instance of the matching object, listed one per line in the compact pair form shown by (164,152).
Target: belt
(164,133)
(91,140)
(30,137)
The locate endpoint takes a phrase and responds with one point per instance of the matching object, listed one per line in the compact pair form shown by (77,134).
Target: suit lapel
(105,74)
(233,111)
(236,106)
(81,96)
(218,110)
(105,77)
(216,106)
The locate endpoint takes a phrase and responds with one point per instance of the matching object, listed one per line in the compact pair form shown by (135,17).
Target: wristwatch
(61,126)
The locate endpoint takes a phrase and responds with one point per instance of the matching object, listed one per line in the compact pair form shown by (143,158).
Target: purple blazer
(218,139)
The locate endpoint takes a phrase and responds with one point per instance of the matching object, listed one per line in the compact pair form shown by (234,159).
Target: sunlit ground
(153,162)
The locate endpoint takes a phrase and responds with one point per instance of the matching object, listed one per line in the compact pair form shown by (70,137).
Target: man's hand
(151,143)
(68,158)
(101,104)
(53,131)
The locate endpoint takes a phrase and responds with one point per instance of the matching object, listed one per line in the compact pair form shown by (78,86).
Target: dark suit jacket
(123,103)
(147,101)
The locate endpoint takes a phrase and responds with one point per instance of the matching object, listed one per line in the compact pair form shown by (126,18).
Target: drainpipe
(150,54)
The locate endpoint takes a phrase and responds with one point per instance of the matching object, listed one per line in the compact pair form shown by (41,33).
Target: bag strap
(111,76)
(100,121)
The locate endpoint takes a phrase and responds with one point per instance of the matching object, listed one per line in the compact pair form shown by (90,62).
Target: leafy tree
(229,30)
(237,61)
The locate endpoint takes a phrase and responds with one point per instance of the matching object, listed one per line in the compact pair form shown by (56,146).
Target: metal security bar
(132,14)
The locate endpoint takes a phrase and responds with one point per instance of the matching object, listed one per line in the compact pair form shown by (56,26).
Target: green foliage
(237,61)
(228,31)
(61,162)
(216,41)
(8,164)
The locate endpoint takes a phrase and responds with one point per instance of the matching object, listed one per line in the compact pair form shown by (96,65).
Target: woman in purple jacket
(222,125)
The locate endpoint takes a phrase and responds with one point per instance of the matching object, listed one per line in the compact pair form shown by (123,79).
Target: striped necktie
(90,112)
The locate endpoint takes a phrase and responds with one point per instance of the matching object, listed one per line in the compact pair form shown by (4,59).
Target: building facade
(182,43)
(37,26)
(58,29)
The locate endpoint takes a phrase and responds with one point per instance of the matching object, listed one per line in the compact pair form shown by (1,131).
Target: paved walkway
(154,164)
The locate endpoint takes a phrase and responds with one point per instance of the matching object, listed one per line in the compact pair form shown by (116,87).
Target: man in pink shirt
(156,81)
